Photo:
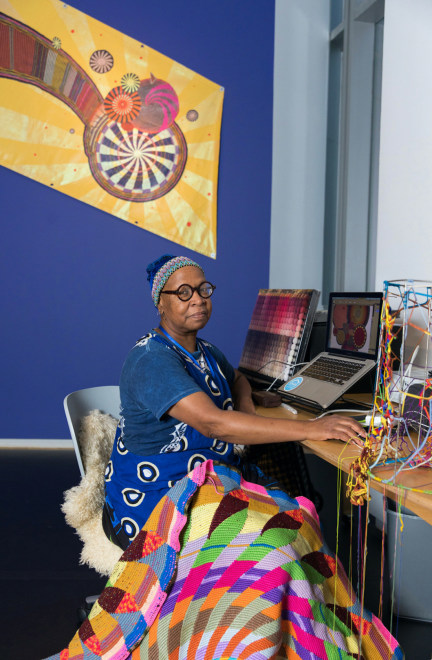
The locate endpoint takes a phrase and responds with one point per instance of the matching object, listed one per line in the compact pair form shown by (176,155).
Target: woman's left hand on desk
(337,427)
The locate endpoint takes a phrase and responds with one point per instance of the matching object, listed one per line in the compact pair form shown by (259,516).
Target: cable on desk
(340,410)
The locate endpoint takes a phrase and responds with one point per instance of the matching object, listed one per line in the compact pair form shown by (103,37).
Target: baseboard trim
(18,443)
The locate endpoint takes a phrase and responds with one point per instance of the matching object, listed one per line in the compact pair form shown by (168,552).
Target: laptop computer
(352,342)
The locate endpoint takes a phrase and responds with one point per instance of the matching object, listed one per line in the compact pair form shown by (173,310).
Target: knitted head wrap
(160,270)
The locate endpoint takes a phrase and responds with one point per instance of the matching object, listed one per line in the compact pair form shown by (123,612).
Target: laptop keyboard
(332,370)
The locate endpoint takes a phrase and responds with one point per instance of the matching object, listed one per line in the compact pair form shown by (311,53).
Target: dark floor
(41,580)
(43,584)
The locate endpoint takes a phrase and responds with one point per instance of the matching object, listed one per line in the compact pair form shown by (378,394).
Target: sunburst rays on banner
(104,118)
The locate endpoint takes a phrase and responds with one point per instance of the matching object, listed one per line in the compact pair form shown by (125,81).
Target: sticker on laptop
(293,384)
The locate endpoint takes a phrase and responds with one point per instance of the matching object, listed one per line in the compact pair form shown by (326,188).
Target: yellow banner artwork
(101,117)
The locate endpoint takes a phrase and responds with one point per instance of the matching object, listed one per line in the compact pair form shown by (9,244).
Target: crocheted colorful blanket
(227,569)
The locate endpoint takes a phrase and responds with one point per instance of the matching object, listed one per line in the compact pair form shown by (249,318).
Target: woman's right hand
(199,411)
(336,427)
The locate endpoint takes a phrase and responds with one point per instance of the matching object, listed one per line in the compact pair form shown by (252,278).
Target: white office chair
(92,416)
(77,405)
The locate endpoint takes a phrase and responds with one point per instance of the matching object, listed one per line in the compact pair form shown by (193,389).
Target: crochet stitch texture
(165,272)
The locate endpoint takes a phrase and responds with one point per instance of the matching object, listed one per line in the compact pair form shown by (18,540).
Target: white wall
(404,226)
(404,240)
(299,142)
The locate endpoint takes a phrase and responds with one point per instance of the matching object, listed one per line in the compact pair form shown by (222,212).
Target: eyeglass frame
(193,289)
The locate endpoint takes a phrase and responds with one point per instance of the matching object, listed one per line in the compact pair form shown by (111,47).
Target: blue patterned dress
(153,450)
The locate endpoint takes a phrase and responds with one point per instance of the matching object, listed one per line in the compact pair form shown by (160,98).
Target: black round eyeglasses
(186,291)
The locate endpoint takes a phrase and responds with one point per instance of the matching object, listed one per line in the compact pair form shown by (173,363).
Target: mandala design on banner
(122,106)
(101,61)
(151,141)
(135,165)
(130,82)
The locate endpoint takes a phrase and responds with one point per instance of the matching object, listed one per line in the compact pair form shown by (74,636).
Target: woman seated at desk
(180,395)
(253,578)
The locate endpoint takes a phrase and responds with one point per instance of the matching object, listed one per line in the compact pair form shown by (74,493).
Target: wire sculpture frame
(399,434)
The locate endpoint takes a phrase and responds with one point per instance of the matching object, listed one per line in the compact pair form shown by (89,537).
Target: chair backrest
(77,405)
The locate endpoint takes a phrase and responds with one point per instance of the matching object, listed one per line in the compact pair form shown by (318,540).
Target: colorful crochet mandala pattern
(252,580)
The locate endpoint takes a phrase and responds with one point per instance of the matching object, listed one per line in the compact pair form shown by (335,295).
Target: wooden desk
(341,455)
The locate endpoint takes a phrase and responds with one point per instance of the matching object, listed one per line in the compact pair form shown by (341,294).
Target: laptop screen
(353,325)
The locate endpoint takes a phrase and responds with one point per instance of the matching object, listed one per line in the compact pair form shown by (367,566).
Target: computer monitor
(278,334)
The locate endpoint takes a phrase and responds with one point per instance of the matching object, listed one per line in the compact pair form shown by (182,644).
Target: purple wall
(75,295)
